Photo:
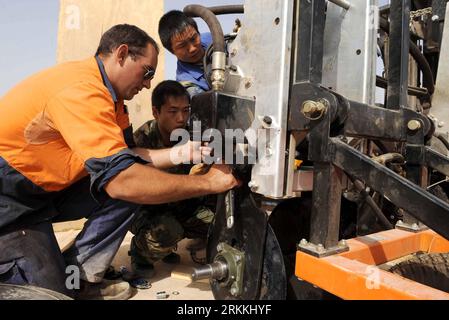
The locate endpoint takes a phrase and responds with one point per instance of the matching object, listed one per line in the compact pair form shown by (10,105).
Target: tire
(429,269)
(14,292)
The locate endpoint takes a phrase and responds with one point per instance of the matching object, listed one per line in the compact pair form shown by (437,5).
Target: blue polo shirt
(193,74)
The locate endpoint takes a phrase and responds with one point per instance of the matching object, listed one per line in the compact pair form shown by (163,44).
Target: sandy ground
(169,278)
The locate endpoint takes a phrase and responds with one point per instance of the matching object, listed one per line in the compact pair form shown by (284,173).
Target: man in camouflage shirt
(158,228)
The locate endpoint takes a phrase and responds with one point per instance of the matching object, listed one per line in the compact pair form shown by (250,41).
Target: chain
(420,13)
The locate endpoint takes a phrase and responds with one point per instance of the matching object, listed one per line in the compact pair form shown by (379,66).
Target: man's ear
(122,53)
(155,113)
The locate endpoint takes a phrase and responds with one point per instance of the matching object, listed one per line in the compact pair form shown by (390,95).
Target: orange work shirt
(55,121)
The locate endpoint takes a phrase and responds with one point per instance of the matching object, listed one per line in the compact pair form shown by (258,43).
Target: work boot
(141,268)
(172,258)
(197,244)
(105,290)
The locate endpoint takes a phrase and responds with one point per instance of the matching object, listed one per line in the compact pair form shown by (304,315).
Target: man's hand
(221,178)
(190,152)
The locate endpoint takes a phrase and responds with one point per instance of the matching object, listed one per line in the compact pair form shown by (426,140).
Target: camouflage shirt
(148,136)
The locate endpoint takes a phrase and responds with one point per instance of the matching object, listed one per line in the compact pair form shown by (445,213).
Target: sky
(29,28)
(28,32)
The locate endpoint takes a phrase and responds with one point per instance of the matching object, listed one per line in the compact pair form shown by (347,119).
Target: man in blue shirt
(179,35)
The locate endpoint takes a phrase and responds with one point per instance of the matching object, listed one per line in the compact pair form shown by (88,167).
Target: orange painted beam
(354,275)
(353,280)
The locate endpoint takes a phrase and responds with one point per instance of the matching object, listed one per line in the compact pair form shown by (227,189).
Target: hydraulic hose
(219,55)
(419,58)
(230,9)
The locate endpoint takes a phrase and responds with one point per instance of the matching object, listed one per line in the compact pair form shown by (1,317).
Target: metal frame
(332,155)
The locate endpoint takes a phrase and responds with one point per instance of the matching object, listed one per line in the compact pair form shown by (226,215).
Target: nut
(342,243)
(162,295)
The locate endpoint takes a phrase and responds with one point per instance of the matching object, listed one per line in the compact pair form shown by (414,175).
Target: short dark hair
(172,23)
(166,89)
(135,38)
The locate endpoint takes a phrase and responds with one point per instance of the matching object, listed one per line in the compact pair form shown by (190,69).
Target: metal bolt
(162,295)
(234,291)
(253,185)
(219,247)
(441,124)
(414,125)
(268,120)
(415,226)
(248,84)
(342,243)
(435,18)
(233,68)
(313,110)
(320,248)
(237,258)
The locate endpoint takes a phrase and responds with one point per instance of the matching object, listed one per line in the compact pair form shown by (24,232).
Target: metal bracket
(319,251)
(411,227)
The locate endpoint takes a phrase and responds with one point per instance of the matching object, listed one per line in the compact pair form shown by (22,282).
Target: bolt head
(220,247)
(414,125)
(343,243)
(320,248)
(309,107)
(441,124)
(415,226)
(268,120)
(234,291)
(303,242)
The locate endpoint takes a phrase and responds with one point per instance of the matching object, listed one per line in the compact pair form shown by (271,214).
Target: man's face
(131,76)
(187,47)
(174,114)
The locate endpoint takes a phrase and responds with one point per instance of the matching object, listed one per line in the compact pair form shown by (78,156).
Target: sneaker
(105,290)
(172,258)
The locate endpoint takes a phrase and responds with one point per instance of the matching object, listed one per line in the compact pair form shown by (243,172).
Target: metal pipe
(217,270)
(412,91)
(389,157)
(341,3)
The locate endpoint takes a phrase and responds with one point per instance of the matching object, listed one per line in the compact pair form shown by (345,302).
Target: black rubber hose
(212,22)
(230,9)
(380,215)
(423,64)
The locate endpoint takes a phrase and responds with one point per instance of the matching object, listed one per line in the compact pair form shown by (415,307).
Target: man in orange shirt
(66,152)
